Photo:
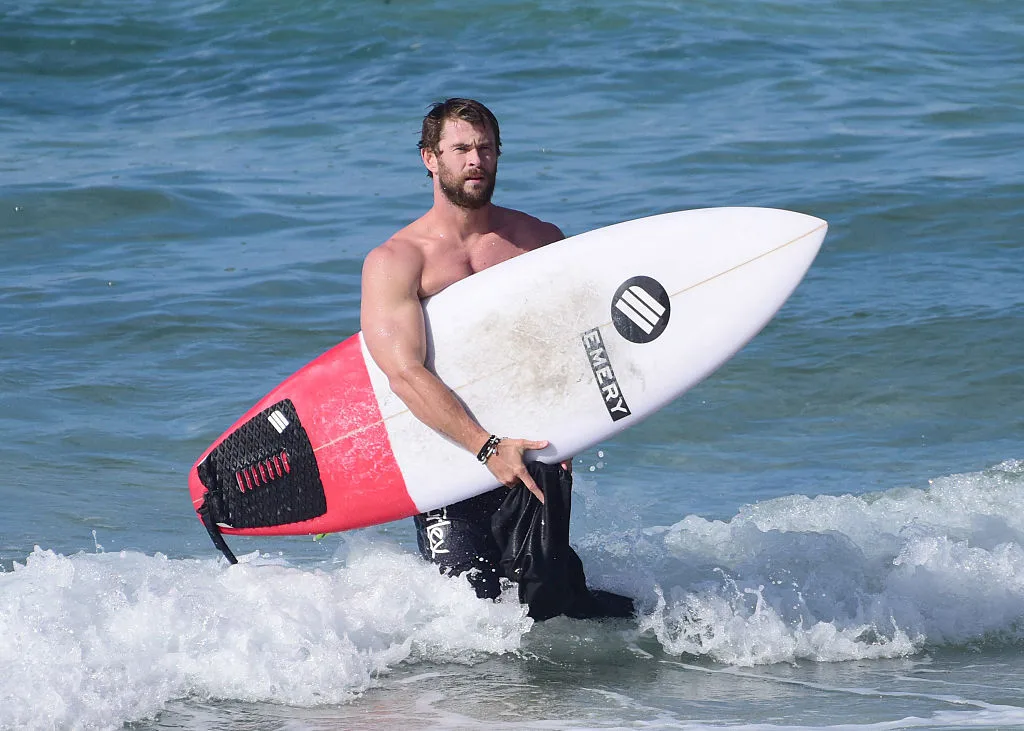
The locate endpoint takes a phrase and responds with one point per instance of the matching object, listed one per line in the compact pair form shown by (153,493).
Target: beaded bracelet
(489,449)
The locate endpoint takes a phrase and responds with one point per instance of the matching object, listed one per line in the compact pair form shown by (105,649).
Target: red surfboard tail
(312,457)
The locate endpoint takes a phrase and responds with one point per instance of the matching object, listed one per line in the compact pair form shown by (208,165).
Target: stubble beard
(454,189)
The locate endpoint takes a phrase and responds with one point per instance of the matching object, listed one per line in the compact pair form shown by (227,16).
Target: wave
(93,640)
(846,577)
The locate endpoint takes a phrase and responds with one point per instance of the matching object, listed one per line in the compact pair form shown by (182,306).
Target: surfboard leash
(214,530)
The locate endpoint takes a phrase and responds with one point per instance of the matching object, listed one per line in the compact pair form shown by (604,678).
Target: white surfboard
(583,338)
(570,343)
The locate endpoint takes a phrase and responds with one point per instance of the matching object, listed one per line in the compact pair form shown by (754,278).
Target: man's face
(467,163)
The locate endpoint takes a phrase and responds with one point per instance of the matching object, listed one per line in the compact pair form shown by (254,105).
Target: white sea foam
(93,640)
(845,577)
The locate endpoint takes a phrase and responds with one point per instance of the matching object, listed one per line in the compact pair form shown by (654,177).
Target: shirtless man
(462,233)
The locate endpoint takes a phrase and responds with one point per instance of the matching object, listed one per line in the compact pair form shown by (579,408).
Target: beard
(454,188)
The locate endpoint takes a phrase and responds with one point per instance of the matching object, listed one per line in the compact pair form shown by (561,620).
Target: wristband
(489,449)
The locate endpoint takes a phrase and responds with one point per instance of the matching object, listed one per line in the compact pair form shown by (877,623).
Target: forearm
(431,402)
(435,405)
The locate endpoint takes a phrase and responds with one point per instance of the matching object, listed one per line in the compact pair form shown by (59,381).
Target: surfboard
(570,343)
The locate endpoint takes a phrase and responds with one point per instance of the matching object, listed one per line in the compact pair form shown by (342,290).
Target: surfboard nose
(780,221)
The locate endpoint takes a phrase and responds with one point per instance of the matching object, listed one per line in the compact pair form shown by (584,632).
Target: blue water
(826,533)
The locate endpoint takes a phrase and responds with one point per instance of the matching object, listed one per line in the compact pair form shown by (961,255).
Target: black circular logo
(640,309)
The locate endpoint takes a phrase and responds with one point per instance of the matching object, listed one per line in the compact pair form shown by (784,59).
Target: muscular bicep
(391,314)
(395,334)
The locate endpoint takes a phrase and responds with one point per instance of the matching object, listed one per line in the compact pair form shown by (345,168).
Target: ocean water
(826,533)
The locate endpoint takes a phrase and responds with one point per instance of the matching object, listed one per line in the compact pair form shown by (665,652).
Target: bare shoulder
(400,256)
(528,231)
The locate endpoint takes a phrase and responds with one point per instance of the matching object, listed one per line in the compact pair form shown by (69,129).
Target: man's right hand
(508,466)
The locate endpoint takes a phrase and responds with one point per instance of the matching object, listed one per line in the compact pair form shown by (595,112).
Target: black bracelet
(489,449)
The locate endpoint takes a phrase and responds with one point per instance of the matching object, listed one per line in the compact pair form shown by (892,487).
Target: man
(462,233)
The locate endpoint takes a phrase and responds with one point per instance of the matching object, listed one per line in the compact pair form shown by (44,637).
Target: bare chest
(445,266)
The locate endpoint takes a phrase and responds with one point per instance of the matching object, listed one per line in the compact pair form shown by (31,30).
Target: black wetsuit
(458,539)
(508,533)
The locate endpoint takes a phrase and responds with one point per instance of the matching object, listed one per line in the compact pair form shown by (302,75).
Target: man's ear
(429,158)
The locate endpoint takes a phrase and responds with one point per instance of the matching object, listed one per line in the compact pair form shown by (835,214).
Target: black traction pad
(264,474)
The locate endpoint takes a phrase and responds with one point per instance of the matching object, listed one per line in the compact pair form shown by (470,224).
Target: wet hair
(468,110)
